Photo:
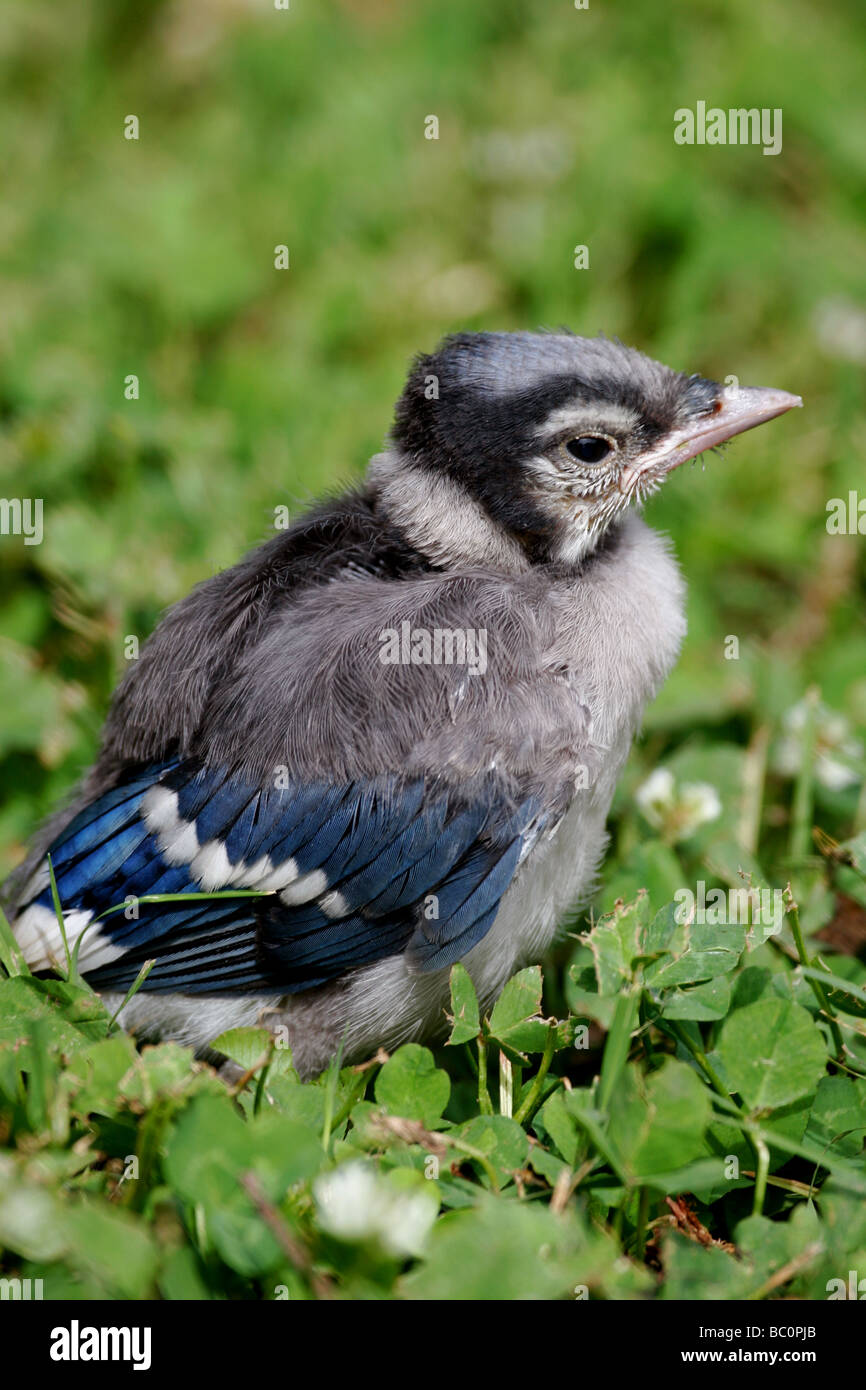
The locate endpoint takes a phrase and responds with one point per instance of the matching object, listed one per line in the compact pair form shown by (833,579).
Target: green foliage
(716,1063)
(410,1084)
(772,1053)
(142,1173)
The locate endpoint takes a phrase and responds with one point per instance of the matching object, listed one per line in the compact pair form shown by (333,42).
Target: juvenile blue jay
(400,721)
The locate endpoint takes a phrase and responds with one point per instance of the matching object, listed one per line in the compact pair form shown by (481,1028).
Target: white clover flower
(655,796)
(700,803)
(357,1204)
(832,737)
(677,811)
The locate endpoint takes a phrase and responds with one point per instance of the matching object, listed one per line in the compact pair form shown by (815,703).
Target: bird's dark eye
(589,448)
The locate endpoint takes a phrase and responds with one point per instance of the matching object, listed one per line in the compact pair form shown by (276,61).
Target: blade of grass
(58,912)
(599,1141)
(811,974)
(754,773)
(184,898)
(485,1104)
(331,1091)
(132,991)
(11,955)
(618,1044)
(800,837)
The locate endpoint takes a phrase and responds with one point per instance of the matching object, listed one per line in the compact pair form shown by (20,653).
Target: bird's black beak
(737,409)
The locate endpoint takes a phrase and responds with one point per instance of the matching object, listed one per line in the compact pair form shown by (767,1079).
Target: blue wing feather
(384,846)
(96,822)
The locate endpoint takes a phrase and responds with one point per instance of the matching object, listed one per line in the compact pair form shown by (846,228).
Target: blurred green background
(260,387)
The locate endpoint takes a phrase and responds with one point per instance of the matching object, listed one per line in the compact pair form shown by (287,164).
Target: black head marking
(484,404)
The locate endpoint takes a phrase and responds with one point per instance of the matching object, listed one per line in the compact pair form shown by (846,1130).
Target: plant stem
(700,1057)
(719,1086)
(754,771)
(530,1100)
(130,993)
(354,1095)
(761,1172)
(58,912)
(815,985)
(642,1216)
(479,1157)
(333,1081)
(799,1189)
(506,1085)
(485,1105)
(799,842)
(260,1085)
(787,1272)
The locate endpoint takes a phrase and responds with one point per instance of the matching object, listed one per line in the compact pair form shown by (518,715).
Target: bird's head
(549,437)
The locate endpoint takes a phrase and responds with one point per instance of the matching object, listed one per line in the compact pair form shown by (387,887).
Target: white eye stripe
(587,419)
(547,472)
